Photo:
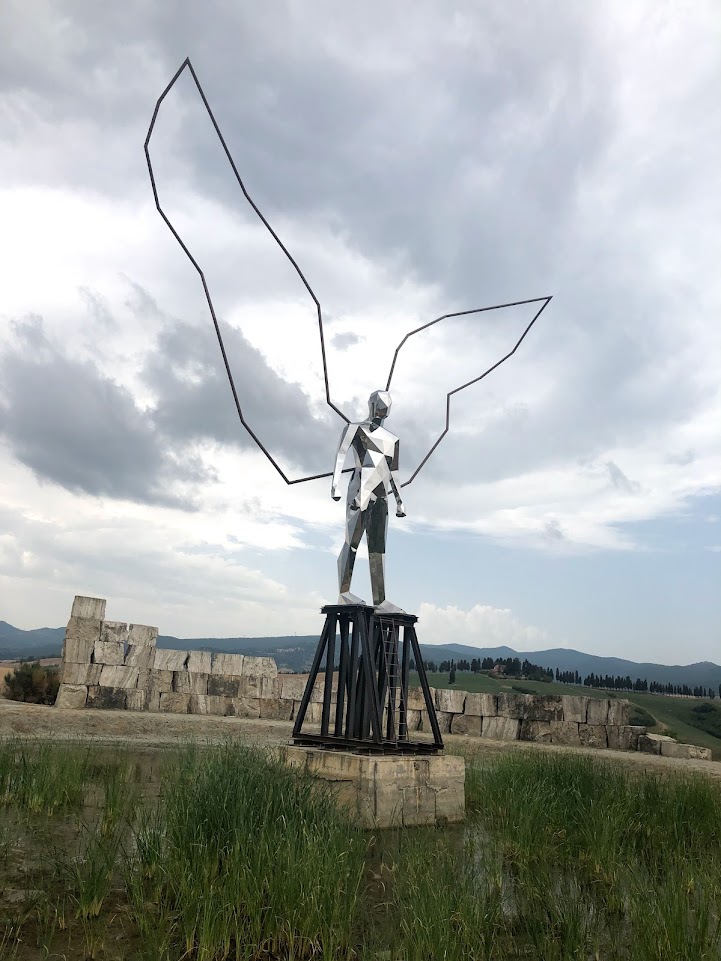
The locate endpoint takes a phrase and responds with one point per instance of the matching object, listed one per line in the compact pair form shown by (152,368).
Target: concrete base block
(71,696)
(674,749)
(389,790)
(211,704)
(416,701)
(619,712)
(114,631)
(292,686)
(651,743)
(259,686)
(200,662)
(245,707)
(137,701)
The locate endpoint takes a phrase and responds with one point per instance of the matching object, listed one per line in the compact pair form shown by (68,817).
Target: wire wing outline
(188,64)
(544,301)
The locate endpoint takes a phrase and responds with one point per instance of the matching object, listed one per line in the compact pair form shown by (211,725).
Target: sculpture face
(379,405)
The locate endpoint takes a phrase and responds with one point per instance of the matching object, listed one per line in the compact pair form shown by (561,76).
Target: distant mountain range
(296,653)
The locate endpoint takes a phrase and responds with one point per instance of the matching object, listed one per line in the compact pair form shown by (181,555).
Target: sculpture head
(379,405)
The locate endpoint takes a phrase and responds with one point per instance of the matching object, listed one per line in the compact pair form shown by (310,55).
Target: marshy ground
(160,851)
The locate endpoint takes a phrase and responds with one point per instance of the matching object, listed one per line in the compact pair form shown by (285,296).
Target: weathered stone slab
(114,631)
(619,711)
(140,655)
(156,682)
(413,719)
(175,703)
(211,704)
(189,682)
(312,715)
(292,686)
(593,735)
(259,666)
(107,698)
(534,707)
(532,730)
(220,685)
(249,707)
(137,700)
(651,743)
(575,708)
(81,635)
(81,673)
(71,696)
(200,662)
(170,660)
(564,732)
(109,652)
(501,728)
(275,708)
(613,737)
(142,635)
(114,675)
(597,710)
(483,705)
(229,664)
(469,724)
(416,701)
(389,791)
(259,686)
(450,701)
(153,701)
(628,737)
(92,607)
(513,705)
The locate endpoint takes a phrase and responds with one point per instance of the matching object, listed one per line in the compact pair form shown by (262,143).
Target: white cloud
(481,626)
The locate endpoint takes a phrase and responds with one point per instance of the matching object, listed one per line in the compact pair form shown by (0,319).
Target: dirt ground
(143,730)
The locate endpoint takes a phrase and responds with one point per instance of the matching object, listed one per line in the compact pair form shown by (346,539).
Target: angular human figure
(375,477)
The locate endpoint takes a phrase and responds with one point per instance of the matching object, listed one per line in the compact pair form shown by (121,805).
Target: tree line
(515,667)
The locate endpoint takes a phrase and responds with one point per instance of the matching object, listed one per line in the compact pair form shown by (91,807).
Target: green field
(223,854)
(672,714)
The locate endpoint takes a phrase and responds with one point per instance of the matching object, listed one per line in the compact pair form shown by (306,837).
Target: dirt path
(162,730)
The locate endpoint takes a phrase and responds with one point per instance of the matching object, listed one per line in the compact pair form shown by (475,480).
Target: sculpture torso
(375,452)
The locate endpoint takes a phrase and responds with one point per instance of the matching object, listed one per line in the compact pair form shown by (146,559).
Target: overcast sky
(416,158)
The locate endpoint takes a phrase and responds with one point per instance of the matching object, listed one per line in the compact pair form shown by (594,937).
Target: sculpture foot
(387,608)
(349,598)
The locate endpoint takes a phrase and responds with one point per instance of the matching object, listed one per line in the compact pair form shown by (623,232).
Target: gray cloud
(346,340)
(73,426)
(619,479)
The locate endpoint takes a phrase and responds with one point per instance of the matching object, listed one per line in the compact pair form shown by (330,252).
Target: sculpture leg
(347,556)
(376,528)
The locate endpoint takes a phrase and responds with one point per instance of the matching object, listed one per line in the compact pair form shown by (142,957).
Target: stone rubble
(110,664)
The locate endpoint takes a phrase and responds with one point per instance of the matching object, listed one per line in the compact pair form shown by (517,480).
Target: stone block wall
(111,664)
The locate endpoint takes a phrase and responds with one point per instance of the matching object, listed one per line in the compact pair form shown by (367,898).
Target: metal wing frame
(543,301)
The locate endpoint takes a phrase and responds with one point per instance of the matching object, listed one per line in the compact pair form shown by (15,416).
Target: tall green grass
(561,858)
(242,853)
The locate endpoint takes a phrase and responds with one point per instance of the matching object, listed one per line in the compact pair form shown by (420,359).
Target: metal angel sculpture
(375,450)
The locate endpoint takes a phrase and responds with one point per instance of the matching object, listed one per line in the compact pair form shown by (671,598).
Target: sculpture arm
(343,448)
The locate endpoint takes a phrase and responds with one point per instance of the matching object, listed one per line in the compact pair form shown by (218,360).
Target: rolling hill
(296,652)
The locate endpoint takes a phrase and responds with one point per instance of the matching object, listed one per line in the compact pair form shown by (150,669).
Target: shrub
(34,683)
(642,718)
(521,689)
(705,708)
